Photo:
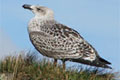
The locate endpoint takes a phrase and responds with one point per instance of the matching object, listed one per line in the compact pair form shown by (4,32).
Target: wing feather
(60,41)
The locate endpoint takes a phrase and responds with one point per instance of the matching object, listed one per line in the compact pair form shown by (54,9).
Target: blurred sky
(98,21)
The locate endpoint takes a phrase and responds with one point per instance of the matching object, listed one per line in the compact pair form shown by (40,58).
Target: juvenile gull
(55,40)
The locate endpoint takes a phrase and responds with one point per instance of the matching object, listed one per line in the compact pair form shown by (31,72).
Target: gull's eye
(38,9)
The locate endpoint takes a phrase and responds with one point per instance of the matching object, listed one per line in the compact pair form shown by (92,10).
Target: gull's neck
(44,18)
(36,23)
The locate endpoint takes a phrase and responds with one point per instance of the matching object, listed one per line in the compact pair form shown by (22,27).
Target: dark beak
(27,6)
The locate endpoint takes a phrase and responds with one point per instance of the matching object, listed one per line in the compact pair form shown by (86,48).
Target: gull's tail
(98,62)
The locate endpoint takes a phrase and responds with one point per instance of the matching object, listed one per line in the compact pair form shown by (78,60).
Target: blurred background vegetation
(27,67)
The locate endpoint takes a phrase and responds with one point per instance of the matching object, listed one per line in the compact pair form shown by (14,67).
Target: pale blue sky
(97,21)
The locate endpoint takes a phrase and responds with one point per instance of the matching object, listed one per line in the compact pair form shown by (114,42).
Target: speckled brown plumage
(55,40)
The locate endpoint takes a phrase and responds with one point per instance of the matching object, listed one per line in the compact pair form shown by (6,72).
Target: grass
(28,68)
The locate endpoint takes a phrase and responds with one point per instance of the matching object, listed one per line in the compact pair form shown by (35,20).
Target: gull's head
(40,11)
